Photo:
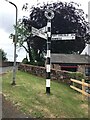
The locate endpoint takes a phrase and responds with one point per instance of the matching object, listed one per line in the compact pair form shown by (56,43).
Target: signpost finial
(49,14)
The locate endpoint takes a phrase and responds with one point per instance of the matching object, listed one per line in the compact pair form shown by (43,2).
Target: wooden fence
(83,90)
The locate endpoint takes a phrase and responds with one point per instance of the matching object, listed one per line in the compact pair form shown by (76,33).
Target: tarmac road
(5,69)
(7,109)
(10,111)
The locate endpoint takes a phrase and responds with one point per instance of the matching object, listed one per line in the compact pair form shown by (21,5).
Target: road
(2,101)
(5,69)
(7,109)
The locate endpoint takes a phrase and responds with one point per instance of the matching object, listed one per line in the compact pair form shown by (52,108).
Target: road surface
(5,69)
(7,109)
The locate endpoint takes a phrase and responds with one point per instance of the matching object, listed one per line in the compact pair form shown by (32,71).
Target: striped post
(48,66)
(49,14)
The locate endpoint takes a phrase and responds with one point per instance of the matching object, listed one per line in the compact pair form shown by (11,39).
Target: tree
(25,60)
(68,19)
(26,40)
(3,55)
(24,36)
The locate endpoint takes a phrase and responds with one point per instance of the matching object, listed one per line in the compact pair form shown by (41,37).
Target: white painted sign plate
(44,29)
(63,36)
(39,33)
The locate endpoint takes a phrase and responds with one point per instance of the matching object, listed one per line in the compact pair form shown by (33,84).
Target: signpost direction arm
(63,36)
(39,33)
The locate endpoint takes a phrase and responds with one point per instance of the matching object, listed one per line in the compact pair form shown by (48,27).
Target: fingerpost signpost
(45,33)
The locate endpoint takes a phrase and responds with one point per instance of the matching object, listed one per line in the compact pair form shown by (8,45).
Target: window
(87,71)
(69,68)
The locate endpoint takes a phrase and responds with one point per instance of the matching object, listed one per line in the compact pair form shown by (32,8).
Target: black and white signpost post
(49,15)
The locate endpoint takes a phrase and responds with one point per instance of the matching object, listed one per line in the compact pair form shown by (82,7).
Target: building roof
(70,58)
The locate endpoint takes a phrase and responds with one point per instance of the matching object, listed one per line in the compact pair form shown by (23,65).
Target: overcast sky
(7,20)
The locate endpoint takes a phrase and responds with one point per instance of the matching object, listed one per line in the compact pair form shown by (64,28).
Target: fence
(83,90)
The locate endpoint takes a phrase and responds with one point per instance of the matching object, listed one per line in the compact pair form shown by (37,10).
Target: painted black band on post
(48,90)
(48,75)
(48,60)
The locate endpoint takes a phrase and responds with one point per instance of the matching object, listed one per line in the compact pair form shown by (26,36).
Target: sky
(7,20)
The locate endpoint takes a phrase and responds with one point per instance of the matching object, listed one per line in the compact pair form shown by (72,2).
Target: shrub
(25,61)
(76,75)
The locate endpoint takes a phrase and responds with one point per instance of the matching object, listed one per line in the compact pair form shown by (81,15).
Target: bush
(76,75)
(25,61)
(36,63)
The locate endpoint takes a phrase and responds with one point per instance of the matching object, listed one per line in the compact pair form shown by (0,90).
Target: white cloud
(7,45)
(4,37)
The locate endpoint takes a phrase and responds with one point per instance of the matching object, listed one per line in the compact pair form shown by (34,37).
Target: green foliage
(76,75)
(3,55)
(23,34)
(42,63)
(25,61)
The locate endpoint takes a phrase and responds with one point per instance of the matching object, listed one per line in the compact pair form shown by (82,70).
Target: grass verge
(30,97)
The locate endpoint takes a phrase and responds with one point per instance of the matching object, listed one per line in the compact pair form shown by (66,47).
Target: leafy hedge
(76,75)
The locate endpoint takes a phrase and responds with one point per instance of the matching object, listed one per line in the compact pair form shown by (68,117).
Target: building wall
(67,67)
(56,66)
(81,68)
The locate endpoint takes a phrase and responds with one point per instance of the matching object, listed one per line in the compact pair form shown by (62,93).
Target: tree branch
(25,48)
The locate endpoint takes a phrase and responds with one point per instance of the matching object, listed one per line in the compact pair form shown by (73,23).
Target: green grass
(30,97)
